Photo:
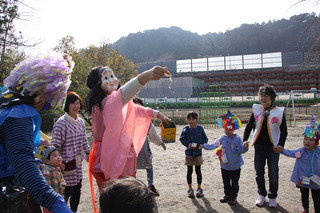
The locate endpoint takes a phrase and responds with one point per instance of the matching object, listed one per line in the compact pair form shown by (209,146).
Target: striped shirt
(69,135)
(16,138)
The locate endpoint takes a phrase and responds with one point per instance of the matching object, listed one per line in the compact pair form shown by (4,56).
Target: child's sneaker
(199,192)
(154,190)
(190,193)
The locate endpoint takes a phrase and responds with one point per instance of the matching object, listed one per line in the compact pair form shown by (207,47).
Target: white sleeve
(153,135)
(130,89)
(155,114)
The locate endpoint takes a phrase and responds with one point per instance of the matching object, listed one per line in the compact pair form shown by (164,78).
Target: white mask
(109,82)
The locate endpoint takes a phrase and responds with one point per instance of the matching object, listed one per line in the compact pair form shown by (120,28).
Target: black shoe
(154,190)
(233,201)
(225,199)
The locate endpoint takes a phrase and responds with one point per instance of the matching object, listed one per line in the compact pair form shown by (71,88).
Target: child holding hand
(51,170)
(231,148)
(306,171)
(192,137)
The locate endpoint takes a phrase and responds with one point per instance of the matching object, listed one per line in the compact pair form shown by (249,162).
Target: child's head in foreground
(311,135)
(126,195)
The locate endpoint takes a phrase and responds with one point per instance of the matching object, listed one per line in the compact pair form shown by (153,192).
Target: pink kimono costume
(119,131)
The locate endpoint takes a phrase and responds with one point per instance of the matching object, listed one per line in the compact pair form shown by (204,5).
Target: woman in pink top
(119,126)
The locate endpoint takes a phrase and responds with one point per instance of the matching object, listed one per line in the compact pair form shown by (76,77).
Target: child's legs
(305,197)
(189,175)
(316,199)
(150,176)
(198,161)
(235,176)
(226,177)
(199,175)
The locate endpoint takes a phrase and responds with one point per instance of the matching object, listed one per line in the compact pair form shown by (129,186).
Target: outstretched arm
(210,146)
(18,144)
(131,88)
(290,153)
(154,73)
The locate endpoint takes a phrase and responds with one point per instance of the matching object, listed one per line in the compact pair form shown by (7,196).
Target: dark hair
(16,98)
(96,94)
(316,141)
(137,101)
(268,90)
(126,195)
(71,98)
(192,114)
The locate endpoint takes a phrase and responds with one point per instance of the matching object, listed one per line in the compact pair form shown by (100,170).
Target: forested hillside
(296,34)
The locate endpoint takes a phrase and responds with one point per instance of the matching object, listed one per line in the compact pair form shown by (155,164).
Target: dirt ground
(170,179)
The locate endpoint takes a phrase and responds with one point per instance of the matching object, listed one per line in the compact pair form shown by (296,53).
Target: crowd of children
(120,129)
(270,132)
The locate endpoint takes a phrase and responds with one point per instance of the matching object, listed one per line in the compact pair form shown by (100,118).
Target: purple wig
(47,76)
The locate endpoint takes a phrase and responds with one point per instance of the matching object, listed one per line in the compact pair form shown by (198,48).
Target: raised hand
(154,73)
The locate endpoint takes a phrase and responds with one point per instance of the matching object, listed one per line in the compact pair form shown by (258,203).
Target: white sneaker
(273,203)
(260,200)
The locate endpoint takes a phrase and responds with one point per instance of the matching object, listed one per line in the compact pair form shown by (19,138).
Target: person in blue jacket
(192,137)
(306,171)
(33,85)
(229,152)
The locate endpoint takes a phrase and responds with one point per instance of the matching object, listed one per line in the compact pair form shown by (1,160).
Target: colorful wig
(312,130)
(229,121)
(46,76)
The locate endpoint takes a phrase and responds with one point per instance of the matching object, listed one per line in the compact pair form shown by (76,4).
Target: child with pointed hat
(229,148)
(306,171)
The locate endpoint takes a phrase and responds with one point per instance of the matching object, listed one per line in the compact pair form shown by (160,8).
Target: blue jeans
(261,154)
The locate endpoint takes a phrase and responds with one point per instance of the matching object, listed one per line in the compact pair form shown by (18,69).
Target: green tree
(66,45)
(94,56)
(9,39)
(87,58)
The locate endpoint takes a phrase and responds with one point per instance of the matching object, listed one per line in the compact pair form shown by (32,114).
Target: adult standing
(119,126)
(269,136)
(69,135)
(33,85)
